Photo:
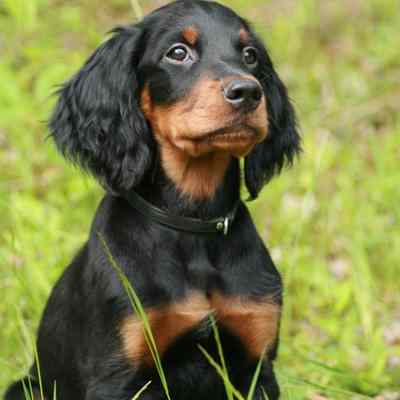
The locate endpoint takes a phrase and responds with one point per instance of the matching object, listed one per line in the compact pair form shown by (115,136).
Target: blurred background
(331,222)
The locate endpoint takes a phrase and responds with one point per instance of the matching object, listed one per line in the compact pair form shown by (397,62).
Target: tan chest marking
(254,323)
(167,324)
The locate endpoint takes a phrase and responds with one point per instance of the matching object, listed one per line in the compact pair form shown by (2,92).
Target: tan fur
(167,324)
(255,323)
(200,133)
(190,34)
(244,36)
(196,177)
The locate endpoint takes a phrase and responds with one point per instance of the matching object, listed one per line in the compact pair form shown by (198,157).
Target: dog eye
(179,53)
(250,56)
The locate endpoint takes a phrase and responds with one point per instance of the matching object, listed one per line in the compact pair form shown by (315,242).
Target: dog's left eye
(250,56)
(179,53)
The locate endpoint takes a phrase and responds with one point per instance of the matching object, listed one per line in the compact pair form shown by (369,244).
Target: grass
(331,223)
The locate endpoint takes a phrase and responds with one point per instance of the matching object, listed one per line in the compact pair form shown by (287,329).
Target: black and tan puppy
(161,114)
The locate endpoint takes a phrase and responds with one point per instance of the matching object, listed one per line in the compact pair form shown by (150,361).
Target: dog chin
(237,142)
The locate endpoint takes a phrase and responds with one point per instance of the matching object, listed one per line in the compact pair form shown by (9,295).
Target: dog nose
(243,94)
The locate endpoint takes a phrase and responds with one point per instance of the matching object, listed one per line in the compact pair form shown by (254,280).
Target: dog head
(191,82)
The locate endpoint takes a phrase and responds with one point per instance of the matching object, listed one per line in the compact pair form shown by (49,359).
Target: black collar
(193,225)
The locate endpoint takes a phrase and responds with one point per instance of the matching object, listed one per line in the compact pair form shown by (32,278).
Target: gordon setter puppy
(161,114)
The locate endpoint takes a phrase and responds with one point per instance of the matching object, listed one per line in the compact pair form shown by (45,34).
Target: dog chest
(254,323)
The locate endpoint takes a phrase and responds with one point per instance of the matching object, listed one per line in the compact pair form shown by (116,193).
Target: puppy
(161,115)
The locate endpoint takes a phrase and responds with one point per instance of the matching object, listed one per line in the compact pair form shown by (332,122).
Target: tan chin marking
(238,142)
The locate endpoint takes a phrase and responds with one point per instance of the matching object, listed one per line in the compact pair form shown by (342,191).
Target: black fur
(283,141)
(98,124)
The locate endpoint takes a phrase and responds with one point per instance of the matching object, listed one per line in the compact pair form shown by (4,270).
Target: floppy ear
(97,122)
(282,142)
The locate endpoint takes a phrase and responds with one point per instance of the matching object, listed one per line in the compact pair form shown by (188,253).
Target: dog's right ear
(97,122)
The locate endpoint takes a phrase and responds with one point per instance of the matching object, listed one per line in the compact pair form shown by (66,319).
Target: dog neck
(198,178)
(160,190)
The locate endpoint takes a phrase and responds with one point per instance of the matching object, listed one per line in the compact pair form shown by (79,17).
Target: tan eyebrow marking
(191,35)
(244,36)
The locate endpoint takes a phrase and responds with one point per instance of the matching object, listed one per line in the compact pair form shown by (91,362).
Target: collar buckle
(223,225)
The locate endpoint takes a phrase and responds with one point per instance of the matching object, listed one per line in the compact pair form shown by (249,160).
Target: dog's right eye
(179,54)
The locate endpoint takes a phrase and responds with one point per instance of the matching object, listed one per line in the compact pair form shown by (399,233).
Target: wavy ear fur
(283,141)
(97,122)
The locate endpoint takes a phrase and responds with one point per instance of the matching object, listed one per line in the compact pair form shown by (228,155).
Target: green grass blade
(28,392)
(217,338)
(29,340)
(55,391)
(265,397)
(221,373)
(139,393)
(256,375)
(223,370)
(137,8)
(139,310)
(327,389)
(37,361)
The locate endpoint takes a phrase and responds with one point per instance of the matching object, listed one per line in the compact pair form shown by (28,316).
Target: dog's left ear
(97,122)
(283,140)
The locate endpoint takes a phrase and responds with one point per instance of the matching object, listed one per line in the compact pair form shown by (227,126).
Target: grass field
(331,223)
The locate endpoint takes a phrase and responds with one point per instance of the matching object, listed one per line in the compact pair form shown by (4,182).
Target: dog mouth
(236,139)
(231,134)
(237,132)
